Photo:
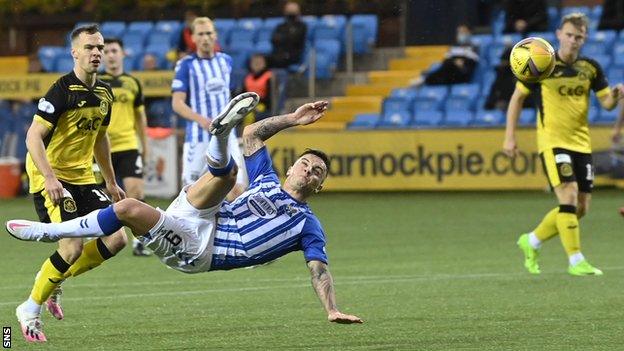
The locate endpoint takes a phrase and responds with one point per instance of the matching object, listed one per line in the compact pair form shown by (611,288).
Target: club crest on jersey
(215,85)
(261,206)
(104,107)
(69,205)
(291,211)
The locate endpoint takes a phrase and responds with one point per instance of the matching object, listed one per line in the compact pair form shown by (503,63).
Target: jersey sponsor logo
(215,85)
(104,107)
(563,158)
(176,83)
(571,91)
(87,124)
(45,106)
(69,205)
(260,205)
(565,169)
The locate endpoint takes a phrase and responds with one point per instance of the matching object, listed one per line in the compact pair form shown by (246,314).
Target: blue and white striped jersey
(206,82)
(265,222)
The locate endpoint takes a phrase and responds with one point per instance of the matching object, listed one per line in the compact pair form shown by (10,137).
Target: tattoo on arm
(257,133)
(323,284)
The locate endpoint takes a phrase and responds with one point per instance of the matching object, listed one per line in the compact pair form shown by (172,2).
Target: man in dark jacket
(288,38)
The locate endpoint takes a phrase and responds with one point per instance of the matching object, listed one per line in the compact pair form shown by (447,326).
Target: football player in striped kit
(200,232)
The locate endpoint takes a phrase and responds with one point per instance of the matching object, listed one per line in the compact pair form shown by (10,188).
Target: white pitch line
(367,280)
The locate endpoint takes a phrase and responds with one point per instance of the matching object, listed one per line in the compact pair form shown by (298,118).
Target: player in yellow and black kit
(68,130)
(563,141)
(127,127)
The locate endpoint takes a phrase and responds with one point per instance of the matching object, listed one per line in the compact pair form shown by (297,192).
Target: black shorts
(563,166)
(127,164)
(83,200)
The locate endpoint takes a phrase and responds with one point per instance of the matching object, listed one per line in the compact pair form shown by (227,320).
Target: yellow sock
(568,226)
(94,252)
(548,226)
(49,277)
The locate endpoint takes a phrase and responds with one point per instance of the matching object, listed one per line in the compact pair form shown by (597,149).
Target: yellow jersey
(128,99)
(74,114)
(562,103)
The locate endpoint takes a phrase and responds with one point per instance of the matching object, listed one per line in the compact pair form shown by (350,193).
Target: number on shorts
(100,194)
(139,164)
(590,172)
(174,239)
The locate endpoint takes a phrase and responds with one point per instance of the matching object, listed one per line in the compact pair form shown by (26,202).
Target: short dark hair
(320,154)
(88,28)
(113,41)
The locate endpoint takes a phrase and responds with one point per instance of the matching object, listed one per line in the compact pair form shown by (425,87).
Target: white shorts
(183,237)
(194,160)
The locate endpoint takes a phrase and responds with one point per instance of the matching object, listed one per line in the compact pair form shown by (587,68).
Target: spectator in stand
(503,86)
(186,45)
(612,15)
(524,16)
(150,62)
(258,80)
(459,63)
(288,38)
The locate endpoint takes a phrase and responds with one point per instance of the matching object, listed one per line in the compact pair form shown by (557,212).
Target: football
(532,59)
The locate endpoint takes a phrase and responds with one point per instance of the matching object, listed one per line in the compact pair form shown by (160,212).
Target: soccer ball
(532,59)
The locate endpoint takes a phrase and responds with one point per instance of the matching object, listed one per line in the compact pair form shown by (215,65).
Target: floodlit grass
(426,271)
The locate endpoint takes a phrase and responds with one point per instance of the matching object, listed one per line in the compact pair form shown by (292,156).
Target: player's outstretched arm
(513,113)
(101,151)
(323,284)
(609,101)
(255,134)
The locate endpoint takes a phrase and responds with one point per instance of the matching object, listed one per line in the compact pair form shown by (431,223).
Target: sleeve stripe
(602,92)
(522,87)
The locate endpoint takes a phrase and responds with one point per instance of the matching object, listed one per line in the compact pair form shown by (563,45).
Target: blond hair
(577,19)
(200,20)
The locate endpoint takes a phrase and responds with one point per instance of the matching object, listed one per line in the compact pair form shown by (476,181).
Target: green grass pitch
(426,271)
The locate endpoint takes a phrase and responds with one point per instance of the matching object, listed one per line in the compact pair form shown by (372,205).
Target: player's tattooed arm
(323,284)
(255,134)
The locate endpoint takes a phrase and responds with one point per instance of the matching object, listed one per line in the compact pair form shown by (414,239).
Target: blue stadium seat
(486,82)
(487,118)
(395,119)
(239,58)
(438,92)
(113,29)
(47,56)
(430,118)
(507,39)
(141,27)
(168,26)
(618,53)
(365,29)
(364,121)
(134,39)
(393,104)
(457,118)
(603,60)
(158,49)
(572,9)
(527,117)
(324,31)
(249,23)
(458,104)
(407,93)
(592,48)
(498,22)
(160,38)
(480,104)
(425,104)
(593,114)
(329,46)
(64,64)
(469,90)
(606,116)
(265,34)
(224,26)
(311,22)
(263,47)
(160,114)
(606,37)
(338,21)
(553,17)
(615,74)
(495,52)
(240,35)
(483,41)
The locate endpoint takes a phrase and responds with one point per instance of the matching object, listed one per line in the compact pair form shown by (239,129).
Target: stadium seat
(498,23)
(425,104)
(494,53)
(113,29)
(265,34)
(553,18)
(158,49)
(268,27)
(47,56)
(393,104)
(329,46)
(618,53)
(507,39)
(407,93)
(311,22)
(593,114)
(606,37)
(483,41)
(160,113)
(455,103)
(606,116)
(134,39)
(224,26)
(486,82)
(603,60)
(615,74)
(365,29)
(168,26)
(324,31)
(527,117)
(240,58)
(141,27)
(438,92)
(161,61)
(488,118)
(468,91)
(364,121)
(240,35)
(593,48)
(159,38)
(458,118)
(427,119)
(64,64)
(572,9)
(395,119)
(249,23)
(263,47)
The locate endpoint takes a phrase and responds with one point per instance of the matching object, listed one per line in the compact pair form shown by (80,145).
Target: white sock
(31,306)
(218,152)
(534,241)
(81,227)
(576,258)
